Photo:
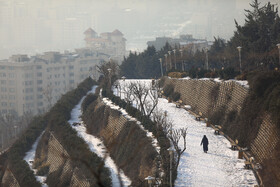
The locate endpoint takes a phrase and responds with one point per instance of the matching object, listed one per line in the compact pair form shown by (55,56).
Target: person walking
(205,143)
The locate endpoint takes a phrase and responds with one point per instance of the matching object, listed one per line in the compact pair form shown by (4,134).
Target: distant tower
(89,35)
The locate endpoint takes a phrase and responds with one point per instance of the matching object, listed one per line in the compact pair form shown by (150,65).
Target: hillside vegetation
(56,122)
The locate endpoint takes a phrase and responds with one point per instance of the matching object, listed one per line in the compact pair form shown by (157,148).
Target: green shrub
(217,117)
(161,82)
(43,170)
(148,124)
(56,119)
(175,96)
(168,90)
(88,100)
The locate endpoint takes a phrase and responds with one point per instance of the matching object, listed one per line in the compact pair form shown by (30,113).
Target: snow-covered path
(218,167)
(95,144)
(29,158)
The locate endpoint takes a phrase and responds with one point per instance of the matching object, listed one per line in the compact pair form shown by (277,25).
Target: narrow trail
(29,158)
(95,144)
(218,167)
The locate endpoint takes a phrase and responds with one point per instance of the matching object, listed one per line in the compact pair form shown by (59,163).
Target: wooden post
(240,154)
(207,124)
(169,100)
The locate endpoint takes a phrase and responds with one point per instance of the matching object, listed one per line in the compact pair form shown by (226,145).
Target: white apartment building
(34,84)
(112,43)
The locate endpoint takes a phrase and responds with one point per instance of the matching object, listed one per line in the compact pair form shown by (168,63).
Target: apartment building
(112,43)
(185,41)
(34,84)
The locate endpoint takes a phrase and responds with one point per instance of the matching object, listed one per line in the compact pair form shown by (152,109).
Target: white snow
(243,83)
(219,167)
(29,158)
(96,145)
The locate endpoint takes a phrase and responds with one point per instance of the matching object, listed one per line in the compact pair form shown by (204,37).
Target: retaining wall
(62,168)
(9,179)
(126,142)
(208,96)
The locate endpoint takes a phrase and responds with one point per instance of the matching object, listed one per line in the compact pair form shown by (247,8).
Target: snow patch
(29,158)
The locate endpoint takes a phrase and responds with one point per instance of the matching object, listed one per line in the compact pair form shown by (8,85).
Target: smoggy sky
(35,26)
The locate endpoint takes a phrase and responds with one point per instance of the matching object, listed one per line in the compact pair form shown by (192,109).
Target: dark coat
(205,143)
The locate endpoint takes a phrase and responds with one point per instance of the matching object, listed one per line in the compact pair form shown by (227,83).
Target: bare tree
(128,97)
(48,93)
(109,76)
(144,96)
(26,119)
(175,136)
(162,121)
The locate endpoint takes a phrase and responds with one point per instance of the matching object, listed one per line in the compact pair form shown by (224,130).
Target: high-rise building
(34,84)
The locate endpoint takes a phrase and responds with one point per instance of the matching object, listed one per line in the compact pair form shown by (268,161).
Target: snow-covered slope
(29,158)
(96,145)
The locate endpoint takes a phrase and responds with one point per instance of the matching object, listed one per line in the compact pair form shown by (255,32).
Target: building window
(11,75)
(39,96)
(28,90)
(4,97)
(39,67)
(26,83)
(12,97)
(12,90)
(12,82)
(39,74)
(3,89)
(39,81)
(28,97)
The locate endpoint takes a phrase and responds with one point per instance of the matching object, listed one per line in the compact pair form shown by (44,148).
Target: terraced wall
(208,97)
(126,142)
(62,168)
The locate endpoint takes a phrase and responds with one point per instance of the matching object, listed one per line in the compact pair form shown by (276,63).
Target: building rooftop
(117,32)
(90,31)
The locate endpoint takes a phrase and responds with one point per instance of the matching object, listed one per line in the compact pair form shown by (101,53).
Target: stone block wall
(207,96)
(61,167)
(200,95)
(266,141)
(9,179)
(125,141)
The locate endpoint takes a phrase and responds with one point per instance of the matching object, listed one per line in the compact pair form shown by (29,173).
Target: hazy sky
(35,26)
